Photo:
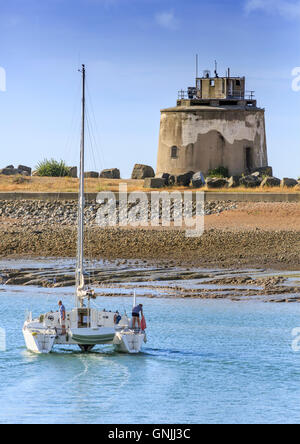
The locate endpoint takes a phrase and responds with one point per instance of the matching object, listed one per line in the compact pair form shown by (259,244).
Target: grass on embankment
(70,185)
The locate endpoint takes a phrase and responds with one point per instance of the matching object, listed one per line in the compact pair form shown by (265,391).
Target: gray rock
(23,168)
(263,171)
(91,175)
(172,180)
(184,180)
(73,172)
(154,182)
(9,171)
(165,177)
(216,182)
(234,181)
(10,167)
(142,171)
(249,181)
(112,173)
(270,182)
(198,180)
(289,183)
(258,176)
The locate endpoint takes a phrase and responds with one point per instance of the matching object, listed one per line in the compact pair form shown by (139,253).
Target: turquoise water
(205,362)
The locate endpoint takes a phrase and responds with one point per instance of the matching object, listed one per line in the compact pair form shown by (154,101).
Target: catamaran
(83,326)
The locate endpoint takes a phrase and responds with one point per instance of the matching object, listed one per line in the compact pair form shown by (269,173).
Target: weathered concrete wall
(209,137)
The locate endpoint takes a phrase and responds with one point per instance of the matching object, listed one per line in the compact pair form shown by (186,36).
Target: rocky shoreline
(48,229)
(121,278)
(39,212)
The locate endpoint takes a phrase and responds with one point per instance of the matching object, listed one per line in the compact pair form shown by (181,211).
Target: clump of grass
(52,168)
(219,172)
(20,180)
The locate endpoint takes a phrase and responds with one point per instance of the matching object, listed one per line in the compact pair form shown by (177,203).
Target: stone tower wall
(203,138)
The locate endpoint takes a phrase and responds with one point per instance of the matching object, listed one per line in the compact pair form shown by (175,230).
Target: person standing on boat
(136,315)
(62,316)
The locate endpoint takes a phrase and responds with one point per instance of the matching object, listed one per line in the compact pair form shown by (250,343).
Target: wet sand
(259,235)
(121,278)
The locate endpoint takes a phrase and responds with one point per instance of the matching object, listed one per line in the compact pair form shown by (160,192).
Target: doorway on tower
(248,159)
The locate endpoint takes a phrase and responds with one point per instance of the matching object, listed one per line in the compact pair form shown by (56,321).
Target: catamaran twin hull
(83,327)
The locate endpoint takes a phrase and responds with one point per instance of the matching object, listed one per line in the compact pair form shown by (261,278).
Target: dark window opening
(174,152)
(248,159)
(238,83)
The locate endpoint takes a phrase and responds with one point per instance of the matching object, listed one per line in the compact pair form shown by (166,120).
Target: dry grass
(69,185)
(63,184)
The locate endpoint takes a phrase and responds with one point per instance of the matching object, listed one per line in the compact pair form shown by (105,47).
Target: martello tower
(216,123)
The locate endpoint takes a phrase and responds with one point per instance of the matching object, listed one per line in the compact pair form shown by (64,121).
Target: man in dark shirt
(136,315)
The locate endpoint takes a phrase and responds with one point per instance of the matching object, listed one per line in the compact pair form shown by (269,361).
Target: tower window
(174,152)
(212,83)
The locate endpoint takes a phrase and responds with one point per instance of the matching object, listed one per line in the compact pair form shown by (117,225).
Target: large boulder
(172,180)
(249,181)
(9,171)
(198,180)
(154,182)
(142,171)
(26,171)
(216,182)
(270,182)
(111,173)
(73,172)
(234,181)
(164,176)
(289,183)
(263,171)
(91,175)
(184,180)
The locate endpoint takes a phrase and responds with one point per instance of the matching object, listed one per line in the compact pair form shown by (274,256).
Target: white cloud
(167,20)
(286,8)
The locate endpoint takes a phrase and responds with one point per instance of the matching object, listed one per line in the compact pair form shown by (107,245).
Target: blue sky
(138,53)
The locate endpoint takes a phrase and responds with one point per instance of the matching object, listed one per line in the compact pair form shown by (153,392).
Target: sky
(138,54)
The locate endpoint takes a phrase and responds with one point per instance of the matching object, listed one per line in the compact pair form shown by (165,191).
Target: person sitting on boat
(117,318)
(62,316)
(136,315)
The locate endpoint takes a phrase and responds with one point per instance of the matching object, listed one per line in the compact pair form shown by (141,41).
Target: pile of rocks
(36,212)
(259,177)
(111,173)
(10,170)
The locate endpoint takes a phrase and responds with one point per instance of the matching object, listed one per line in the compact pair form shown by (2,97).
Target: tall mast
(80,247)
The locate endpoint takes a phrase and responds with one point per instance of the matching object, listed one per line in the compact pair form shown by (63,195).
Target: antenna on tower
(216,69)
(197,66)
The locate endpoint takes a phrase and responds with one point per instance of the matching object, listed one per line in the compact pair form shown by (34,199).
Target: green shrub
(52,168)
(219,172)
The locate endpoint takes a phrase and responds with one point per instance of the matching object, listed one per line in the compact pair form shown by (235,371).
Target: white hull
(129,341)
(42,334)
(39,342)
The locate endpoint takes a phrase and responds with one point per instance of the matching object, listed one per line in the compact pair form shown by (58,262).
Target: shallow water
(206,361)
